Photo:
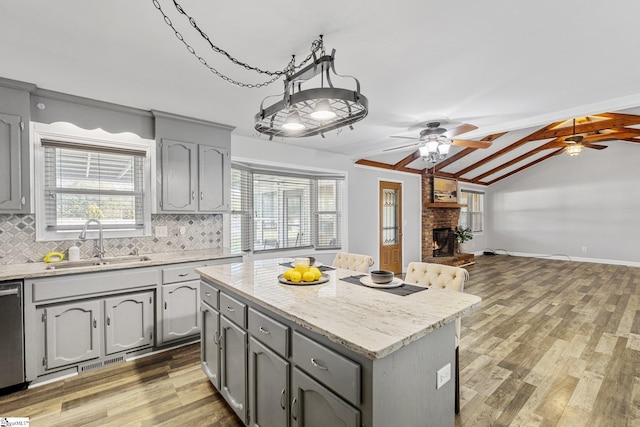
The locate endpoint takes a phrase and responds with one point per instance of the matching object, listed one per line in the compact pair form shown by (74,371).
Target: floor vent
(100,364)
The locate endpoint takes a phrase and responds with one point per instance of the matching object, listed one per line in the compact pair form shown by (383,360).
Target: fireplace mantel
(444,205)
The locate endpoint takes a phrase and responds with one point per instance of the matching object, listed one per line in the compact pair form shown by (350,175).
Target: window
(80,180)
(472,216)
(275,210)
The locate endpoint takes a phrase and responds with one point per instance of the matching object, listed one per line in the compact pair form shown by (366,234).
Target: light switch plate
(160,231)
(443,376)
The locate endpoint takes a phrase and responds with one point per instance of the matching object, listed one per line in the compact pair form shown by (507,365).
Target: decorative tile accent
(18,235)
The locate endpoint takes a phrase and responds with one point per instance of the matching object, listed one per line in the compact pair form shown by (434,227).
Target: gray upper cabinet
(15,181)
(179,179)
(10,177)
(193,164)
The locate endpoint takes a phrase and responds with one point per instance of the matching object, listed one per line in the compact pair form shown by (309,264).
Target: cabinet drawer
(330,368)
(209,294)
(233,309)
(180,274)
(274,334)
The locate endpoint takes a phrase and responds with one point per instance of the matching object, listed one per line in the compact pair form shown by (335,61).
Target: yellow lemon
(287,274)
(316,273)
(309,276)
(302,268)
(295,276)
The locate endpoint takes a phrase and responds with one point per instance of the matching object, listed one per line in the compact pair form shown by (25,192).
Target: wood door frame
(400,185)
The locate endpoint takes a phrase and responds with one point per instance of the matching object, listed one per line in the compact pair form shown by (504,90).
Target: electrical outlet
(443,376)
(584,249)
(160,231)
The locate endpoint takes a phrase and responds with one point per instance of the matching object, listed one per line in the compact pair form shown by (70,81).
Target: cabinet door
(72,333)
(233,358)
(315,406)
(179,175)
(268,387)
(128,322)
(10,189)
(213,178)
(181,310)
(209,344)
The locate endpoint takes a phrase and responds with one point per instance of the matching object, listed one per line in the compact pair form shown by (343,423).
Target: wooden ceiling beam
(613,121)
(404,162)
(532,137)
(466,151)
(637,141)
(541,159)
(374,164)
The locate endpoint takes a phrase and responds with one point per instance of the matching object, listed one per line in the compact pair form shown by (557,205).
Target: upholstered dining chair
(355,262)
(443,277)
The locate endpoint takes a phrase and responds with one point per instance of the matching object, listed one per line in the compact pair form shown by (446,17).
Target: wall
(567,203)
(362,194)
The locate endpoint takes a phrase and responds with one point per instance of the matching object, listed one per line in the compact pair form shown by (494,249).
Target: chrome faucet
(100,242)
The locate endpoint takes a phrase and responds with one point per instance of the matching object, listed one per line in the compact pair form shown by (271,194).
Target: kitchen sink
(98,261)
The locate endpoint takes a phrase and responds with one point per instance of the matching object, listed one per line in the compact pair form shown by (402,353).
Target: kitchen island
(337,353)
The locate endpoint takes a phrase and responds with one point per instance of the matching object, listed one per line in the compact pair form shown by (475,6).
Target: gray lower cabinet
(233,365)
(268,387)
(315,406)
(129,322)
(210,343)
(83,330)
(180,310)
(72,333)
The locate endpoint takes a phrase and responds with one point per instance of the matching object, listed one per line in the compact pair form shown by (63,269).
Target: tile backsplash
(18,238)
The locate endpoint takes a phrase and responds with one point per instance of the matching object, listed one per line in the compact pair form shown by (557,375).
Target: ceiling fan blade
(594,146)
(401,147)
(459,130)
(470,144)
(405,137)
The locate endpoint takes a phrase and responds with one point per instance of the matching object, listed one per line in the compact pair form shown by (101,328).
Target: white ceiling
(498,64)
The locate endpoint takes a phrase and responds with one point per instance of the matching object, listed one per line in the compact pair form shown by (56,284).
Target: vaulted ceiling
(516,70)
(512,152)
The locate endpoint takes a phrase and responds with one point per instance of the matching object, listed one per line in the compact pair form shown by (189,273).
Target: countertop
(39,269)
(370,322)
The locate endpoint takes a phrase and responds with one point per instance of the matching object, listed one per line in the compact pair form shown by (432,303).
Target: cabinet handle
(108,320)
(264,331)
(318,365)
(216,338)
(165,304)
(294,409)
(207,294)
(201,195)
(183,274)
(95,322)
(193,195)
(282,402)
(231,309)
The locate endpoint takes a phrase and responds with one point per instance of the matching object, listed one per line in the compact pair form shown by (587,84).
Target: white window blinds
(86,181)
(276,210)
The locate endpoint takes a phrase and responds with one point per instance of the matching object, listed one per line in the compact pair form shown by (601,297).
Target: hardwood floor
(555,343)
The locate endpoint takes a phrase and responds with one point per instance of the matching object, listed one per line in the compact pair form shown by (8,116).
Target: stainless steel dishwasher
(11,335)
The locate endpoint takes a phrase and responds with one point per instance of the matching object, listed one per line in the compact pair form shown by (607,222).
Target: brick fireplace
(438,216)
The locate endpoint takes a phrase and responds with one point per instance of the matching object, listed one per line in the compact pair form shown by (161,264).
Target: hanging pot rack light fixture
(300,112)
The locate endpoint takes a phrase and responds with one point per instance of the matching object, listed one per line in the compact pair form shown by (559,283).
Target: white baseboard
(560,257)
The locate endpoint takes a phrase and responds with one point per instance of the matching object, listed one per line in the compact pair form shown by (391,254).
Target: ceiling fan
(433,129)
(574,144)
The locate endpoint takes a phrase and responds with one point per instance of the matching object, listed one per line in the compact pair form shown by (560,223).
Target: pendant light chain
(291,67)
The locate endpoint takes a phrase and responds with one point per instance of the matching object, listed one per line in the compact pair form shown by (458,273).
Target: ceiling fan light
(432,146)
(424,152)
(323,111)
(293,122)
(443,149)
(574,149)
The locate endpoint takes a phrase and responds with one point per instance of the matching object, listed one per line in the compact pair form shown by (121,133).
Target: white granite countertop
(39,269)
(370,322)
